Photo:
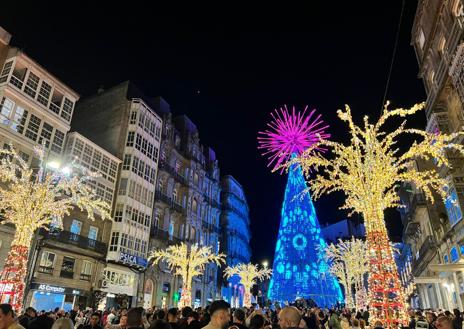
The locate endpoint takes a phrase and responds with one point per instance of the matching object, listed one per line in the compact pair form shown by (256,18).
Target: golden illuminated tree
(187,262)
(249,275)
(348,261)
(31,201)
(368,170)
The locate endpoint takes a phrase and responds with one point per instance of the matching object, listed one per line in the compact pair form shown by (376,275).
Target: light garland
(348,261)
(187,262)
(368,171)
(30,202)
(249,275)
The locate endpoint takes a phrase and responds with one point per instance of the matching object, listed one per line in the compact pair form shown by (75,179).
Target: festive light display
(249,274)
(349,262)
(187,262)
(368,171)
(299,270)
(30,202)
(289,134)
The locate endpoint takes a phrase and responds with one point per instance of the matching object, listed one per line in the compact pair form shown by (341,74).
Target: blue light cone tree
(299,268)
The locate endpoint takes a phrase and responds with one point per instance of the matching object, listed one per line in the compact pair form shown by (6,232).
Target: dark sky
(227,68)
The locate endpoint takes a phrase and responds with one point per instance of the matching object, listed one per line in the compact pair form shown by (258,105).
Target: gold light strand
(187,262)
(368,171)
(249,275)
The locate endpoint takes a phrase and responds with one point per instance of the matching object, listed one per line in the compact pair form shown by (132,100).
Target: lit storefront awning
(427,279)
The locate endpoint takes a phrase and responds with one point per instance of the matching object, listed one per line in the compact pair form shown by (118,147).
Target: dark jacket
(41,322)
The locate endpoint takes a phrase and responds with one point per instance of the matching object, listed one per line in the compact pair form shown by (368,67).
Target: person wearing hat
(220,317)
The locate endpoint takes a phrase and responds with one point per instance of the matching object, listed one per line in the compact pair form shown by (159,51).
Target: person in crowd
(110,319)
(121,325)
(73,313)
(457,320)
(322,319)
(43,321)
(7,318)
(135,318)
(161,315)
(219,312)
(355,323)
(431,318)
(289,317)
(193,320)
(366,316)
(29,315)
(334,320)
(184,317)
(94,322)
(444,322)
(63,323)
(173,318)
(257,322)
(160,324)
(238,318)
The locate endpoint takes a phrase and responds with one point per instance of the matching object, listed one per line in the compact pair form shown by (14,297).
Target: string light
(187,263)
(30,202)
(368,171)
(249,275)
(349,263)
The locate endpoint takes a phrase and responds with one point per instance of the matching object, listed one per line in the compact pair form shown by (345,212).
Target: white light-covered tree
(249,275)
(187,262)
(32,201)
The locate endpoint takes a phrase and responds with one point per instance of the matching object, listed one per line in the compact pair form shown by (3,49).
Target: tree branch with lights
(368,171)
(249,275)
(187,262)
(32,201)
(348,261)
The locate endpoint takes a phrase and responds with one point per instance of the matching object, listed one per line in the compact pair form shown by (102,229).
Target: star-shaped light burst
(290,133)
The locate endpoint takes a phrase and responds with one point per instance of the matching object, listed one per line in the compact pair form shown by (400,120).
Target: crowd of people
(218,315)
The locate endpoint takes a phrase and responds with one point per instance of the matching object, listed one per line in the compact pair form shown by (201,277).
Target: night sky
(228,68)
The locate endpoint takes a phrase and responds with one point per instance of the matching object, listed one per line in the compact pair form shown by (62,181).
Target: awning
(456,267)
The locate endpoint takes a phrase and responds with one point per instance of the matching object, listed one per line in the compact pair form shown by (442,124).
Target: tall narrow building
(435,232)
(187,208)
(124,123)
(235,235)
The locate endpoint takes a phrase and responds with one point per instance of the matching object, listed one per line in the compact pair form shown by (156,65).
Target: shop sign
(131,259)
(48,288)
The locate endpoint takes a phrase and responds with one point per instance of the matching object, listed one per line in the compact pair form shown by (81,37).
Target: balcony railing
(172,171)
(74,239)
(170,202)
(85,277)
(427,251)
(67,274)
(45,269)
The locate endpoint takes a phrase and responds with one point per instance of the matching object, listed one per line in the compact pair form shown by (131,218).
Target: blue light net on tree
(299,270)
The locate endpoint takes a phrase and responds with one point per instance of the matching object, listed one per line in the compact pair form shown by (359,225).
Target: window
(127,162)
(105,164)
(131,189)
(171,229)
(118,212)
(114,241)
(446,259)
(86,270)
(6,109)
(19,119)
(31,85)
(137,244)
(130,139)
(135,165)
(195,206)
(6,71)
(76,226)
(133,118)
(44,93)
(156,218)
(452,207)
(138,142)
(143,249)
(33,127)
(58,141)
(67,109)
(421,39)
(454,255)
(122,186)
(130,242)
(174,195)
(67,267)
(46,135)
(93,233)
(47,259)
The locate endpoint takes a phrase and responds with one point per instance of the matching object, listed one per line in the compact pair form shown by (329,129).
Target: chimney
(5,37)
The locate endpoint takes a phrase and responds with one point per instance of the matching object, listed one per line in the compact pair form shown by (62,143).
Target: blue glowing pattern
(299,271)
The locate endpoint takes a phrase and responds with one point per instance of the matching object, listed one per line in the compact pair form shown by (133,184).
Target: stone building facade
(435,232)
(235,235)
(125,123)
(187,208)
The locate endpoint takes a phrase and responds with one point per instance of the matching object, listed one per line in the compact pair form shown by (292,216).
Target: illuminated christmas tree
(299,269)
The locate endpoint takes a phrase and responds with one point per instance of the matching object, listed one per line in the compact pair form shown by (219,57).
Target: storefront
(48,297)
(119,286)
